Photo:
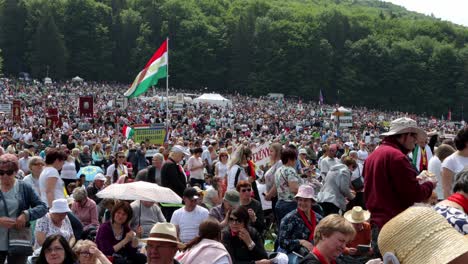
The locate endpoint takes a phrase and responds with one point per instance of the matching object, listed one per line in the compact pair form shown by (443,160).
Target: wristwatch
(251,245)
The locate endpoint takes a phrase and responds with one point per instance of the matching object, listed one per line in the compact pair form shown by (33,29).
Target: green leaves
(372,52)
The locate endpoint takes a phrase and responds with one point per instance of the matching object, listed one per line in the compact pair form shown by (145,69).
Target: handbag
(357,184)
(19,241)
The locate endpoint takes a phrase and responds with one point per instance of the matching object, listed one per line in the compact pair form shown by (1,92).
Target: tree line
(358,52)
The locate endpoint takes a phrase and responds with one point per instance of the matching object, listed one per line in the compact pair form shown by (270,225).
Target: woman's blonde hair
(331,224)
(84,244)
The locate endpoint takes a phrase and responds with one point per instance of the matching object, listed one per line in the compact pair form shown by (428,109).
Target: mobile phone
(363,248)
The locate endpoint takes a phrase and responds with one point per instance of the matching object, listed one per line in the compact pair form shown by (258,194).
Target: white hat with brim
(404,125)
(180,149)
(357,215)
(60,206)
(164,232)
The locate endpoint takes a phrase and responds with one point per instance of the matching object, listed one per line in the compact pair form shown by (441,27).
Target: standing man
(188,218)
(391,182)
(173,176)
(152,173)
(421,155)
(329,161)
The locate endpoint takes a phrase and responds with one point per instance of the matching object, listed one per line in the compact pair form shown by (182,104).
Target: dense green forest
(359,52)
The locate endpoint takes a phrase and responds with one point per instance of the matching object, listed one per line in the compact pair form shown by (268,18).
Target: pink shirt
(87,213)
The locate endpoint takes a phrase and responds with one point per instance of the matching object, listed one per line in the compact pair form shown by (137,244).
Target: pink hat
(306,191)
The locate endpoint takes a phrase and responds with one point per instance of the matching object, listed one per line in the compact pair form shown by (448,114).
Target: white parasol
(140,191)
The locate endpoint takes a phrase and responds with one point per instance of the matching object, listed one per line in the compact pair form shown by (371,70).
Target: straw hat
(404,125)
(164,232)
(357,215)
(421,235)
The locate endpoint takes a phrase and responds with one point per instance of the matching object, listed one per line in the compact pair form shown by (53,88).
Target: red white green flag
(155,69)
(127,131)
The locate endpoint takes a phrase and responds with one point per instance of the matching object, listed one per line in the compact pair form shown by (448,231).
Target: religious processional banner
(86,106)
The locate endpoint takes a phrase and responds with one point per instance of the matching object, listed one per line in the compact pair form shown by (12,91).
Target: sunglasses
(246,190)
(7,172)
(121,157)
(234,220)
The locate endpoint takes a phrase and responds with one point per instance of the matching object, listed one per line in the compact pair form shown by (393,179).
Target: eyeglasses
(85,253)
(7,172)
(234,220)
(38,164)
(54,249)
(246,190)
(121,157)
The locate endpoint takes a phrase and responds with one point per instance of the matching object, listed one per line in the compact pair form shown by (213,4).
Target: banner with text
(154,134)
(261,154)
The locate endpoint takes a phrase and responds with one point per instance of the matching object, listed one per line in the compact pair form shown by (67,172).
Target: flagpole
(167,88)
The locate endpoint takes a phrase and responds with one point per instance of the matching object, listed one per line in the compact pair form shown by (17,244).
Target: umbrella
(140,191)
(90,172)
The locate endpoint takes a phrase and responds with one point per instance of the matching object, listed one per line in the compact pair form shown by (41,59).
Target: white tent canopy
(77,79)
(213,99)
(343,110)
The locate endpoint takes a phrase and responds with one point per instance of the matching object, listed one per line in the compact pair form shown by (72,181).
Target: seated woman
(222,211)
(84,209)
(206,248)
(55,222)
(115,238)
(297,227)
(88,253)
(57,250)
(330,238)
(254,207)
(243,242)
(455,207)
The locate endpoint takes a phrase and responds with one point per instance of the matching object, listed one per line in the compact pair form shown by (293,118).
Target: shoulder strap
(236,179)
(4,204)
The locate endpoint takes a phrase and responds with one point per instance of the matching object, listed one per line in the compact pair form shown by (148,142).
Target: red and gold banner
(86,106)
(16,110)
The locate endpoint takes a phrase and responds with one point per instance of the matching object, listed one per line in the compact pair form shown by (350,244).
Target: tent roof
(212,96)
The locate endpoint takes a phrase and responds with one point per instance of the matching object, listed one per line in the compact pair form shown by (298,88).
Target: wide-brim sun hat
(180,149)
(357,215)
(60,206)
(421,235)
(164,232)
(404,125)
(306,191)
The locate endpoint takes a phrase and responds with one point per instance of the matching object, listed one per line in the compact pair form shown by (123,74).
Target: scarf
(459,199)
(309,225)
(320,257)
(251,171)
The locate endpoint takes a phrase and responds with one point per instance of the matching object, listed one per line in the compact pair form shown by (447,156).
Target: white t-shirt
(194,163)
(121,170)
(189,222)
(455,163)
(51,172)
(232,176)
(435,166)
(69,170)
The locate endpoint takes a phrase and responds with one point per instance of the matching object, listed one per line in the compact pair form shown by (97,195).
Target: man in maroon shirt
(391,183)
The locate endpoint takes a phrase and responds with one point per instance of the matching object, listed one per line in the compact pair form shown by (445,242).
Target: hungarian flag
(155,69)
(127,131)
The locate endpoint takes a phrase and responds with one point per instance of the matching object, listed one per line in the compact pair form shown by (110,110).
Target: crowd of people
(328,194)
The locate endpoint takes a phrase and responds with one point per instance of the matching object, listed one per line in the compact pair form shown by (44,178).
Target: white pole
(167,87)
